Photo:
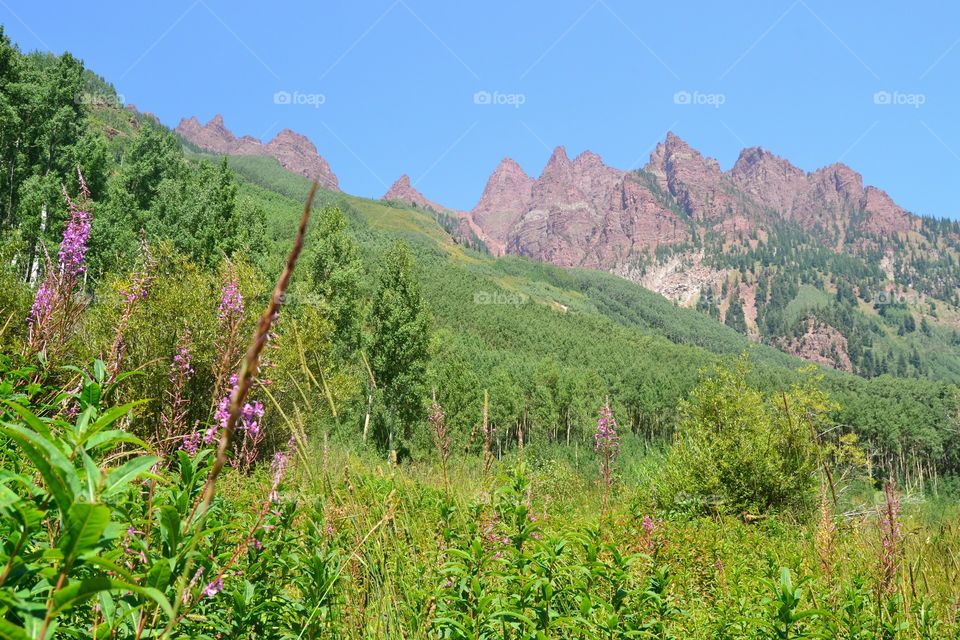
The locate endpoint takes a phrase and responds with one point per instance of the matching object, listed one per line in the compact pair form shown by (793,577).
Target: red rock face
(696,183)
(293,151)
(577,213)
(585,213)
(767,179)
(822,344)
(883,214)
(505,198)
(403,191)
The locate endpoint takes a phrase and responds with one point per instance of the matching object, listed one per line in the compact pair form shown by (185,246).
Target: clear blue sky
(398,80)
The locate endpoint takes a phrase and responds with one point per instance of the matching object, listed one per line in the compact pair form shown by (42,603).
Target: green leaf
(112,437)
(90,395)
(94,476)
(84,526)
(99,370)
(9,631)
(159,576)
(113,414)
(170,527)
(32,420)
(119,478)
(77,592)
(41,454)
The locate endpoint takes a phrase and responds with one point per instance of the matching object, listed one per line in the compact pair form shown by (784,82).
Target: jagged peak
(511,166)
(752,157)
(401,189)
(588,159)
(558,160)
(673,139)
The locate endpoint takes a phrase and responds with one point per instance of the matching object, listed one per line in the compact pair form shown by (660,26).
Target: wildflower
(891,537)
(605,439)
(73,247)
(606,443)
(180,368)
(648,524)
(56,307)
(42,304)
(175,413)
(213,588)
(191,443)
(140,284)
(193,582)
(441,438)
(231,301)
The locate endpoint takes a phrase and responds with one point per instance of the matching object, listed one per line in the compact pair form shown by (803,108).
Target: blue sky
(443,90)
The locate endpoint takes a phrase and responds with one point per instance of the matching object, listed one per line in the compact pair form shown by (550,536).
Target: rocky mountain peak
(559,162)
(404,191)
(292,150)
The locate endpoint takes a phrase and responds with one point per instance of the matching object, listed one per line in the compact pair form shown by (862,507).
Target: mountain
(815,264)
(293,151)
(741,244)
(403,191)
(583,212)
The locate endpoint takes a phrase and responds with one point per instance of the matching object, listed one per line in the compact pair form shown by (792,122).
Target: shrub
(740,451)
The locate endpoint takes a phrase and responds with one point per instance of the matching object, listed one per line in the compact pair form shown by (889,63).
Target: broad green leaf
(76,592)
(112,415)
(159,575)
(170,527)
(82,421)
(32,421)
(119,478)
(59,487)
(99,370)
(9,631)
(84,526)
(112,437)
(94,476)
(90,395)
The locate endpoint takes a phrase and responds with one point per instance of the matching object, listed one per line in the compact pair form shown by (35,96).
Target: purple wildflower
(606,443)
(42,304)
(73,248)
(648,524)
(231,301)
(213,588)
(191,443)
(605,439)
(180,368)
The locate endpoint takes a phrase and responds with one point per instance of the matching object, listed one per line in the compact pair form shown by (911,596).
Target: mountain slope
(292,150)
